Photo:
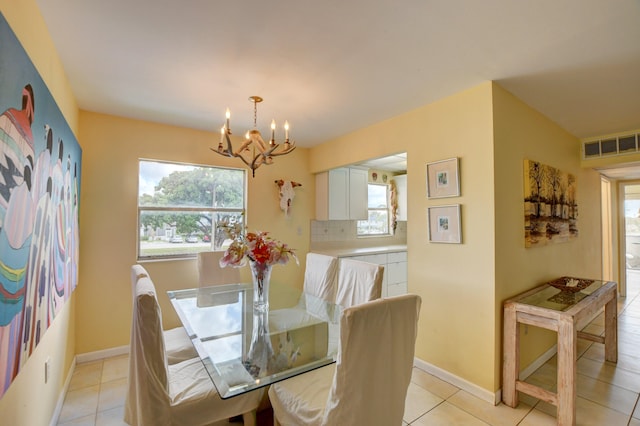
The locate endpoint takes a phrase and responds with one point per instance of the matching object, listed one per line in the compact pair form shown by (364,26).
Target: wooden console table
(565,305)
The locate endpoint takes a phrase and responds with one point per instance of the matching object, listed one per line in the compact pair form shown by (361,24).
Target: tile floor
(607,393)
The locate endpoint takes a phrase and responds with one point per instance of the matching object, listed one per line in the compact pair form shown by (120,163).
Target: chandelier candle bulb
(227,114)
(286,131)
(273,131)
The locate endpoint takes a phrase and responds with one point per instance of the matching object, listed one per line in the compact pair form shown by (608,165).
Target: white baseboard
(538,363)
(106,353)
(473,389)
(63,394)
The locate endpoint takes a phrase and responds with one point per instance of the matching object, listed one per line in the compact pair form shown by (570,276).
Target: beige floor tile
(112,394)
(447,414)
(418,402)
(610,373)
(497,415)
(538,418)
(112,417)
(603,393)
(115,368)
(634,422)
(79,403)
(433,384)
(82,421)
(86,374)
(636,412)
(589,413)
(626,361)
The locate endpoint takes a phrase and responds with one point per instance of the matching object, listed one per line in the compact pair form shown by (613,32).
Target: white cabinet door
(341,194)
(358,194)
(401,188)
(397,273)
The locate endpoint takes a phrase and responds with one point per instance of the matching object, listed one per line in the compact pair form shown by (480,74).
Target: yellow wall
(523,133)
(456,282)
(112,147)
(463,286)
(29,401)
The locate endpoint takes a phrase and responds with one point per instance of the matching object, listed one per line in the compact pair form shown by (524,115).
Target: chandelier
(254,151)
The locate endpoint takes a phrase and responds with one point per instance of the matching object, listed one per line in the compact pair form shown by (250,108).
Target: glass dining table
(243,349)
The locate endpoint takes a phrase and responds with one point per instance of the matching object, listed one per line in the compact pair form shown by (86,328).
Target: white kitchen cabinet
(401,188)
(341,194)
(394,281)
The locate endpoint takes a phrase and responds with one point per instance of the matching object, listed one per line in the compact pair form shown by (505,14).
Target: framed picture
(443,179)
(444,224)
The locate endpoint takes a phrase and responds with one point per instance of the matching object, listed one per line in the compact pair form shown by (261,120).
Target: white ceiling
(331,67)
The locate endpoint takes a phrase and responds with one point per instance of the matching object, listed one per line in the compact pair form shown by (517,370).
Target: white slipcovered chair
(210,272)
(320,285)
(178,394)
(368,383)
(178,345)
(358,282)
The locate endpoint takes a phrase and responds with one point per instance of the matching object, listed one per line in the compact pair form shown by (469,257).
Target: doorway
(629,235)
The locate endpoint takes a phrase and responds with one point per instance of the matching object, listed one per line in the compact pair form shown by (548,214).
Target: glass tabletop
(243,350)
(562,293)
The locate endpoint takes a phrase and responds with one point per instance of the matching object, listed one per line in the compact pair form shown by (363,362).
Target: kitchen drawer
(399,256)
(397,289)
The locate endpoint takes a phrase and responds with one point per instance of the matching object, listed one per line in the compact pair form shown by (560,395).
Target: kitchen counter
(360,251)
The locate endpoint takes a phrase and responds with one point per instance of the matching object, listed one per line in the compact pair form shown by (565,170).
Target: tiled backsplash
(332,231)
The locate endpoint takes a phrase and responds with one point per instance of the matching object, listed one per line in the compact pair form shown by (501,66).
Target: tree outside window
(184,209)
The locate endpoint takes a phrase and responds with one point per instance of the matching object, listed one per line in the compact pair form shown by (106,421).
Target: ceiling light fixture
(254,151)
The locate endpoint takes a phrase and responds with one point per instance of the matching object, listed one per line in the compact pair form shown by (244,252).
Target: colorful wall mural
(39,200)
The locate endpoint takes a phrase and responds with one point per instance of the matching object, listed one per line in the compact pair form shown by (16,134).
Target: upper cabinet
(341,194)
(401,188)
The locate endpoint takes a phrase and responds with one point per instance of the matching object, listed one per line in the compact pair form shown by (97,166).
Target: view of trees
(191,190)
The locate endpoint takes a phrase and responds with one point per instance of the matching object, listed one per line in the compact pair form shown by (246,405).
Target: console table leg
(567,351)
(611,329)
(511,357)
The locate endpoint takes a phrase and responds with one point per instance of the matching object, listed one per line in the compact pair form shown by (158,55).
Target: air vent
(611,146)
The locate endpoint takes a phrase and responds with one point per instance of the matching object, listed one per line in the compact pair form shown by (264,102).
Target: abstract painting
(40,161)
(550,206)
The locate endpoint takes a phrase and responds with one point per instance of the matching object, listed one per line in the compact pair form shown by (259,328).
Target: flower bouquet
(263,252)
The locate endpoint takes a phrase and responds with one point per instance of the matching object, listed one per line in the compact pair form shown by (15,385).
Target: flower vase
(259,359)
(261,275)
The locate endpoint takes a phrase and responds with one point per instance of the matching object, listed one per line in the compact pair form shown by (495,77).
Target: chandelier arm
(286,151)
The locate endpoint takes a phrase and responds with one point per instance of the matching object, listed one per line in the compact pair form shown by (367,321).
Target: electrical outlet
(47,369)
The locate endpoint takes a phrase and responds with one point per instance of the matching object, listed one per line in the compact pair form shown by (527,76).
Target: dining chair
(358,282)
(181,394)
(320,286)
(178,345)
(210,273)
(368,383)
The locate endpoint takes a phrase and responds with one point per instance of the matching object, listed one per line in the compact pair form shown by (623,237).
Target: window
(378,205)
(184,209)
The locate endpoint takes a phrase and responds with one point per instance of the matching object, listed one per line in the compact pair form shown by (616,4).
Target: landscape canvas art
(40,162)
(550,206)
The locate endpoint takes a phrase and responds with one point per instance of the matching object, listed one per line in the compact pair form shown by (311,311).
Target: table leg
(567,351)
(511,357)
(611,329)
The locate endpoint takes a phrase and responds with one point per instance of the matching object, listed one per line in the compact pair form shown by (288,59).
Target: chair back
(148,397)
(374,364)
(358,282)
(137,272)
(321,276)
(210,272)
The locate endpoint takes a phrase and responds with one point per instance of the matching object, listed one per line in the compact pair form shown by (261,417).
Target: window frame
(187,209)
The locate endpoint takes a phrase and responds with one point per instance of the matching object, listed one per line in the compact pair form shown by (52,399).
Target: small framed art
(445,224)
(443,179)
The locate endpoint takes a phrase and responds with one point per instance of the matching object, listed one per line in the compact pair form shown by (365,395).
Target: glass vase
(258,361)
(261,275)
